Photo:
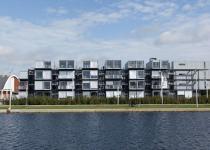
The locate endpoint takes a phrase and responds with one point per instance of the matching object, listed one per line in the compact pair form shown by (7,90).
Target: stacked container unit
(66,79)
(113,78)
(189,76)
(135,78)
(158,72)
(43,78)
(90,78)
(23,86)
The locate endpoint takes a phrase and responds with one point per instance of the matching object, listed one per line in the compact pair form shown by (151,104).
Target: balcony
(113,76)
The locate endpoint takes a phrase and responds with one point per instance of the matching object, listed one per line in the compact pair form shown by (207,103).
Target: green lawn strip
(108,106)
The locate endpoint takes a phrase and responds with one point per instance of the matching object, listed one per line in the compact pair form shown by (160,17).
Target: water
(98,131)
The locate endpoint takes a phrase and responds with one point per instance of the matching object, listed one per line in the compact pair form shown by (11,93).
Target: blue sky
(33,30)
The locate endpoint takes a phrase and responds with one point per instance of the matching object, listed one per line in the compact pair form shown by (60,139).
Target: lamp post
(10,100)
(207,90)
(196,89)
(161,87)
(118,96)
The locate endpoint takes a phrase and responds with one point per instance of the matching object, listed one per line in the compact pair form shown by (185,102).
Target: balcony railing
(113,76)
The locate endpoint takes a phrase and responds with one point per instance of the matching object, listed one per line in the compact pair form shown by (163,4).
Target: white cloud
(57,11)
(190,31)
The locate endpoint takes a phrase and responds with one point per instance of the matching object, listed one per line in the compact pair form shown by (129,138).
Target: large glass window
(66,64)
(86,86)
(62,64)
(47,85)
(86,74)
(113,74)
(113,64)
(156,65)
(47,64)
(86,64)
(39,74)
(113,84)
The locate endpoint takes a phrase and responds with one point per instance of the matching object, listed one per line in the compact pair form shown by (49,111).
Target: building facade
(133,80)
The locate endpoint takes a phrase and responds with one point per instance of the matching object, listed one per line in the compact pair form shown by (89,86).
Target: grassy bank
(107,106)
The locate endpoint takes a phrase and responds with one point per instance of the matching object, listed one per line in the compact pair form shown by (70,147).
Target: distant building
(134,80)
(9,86)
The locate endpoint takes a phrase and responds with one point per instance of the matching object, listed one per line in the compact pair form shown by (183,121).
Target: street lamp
(118,96)
(196,89)
(207,90)
(161,86)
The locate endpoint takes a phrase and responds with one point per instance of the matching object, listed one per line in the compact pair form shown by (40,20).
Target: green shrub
(102,100)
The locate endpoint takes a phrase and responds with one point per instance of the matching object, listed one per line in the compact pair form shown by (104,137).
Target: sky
(32,30)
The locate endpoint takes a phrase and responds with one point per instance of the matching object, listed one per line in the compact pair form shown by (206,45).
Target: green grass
(106,106)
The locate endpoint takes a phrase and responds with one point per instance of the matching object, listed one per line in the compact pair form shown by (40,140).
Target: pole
(118,96)
(10,100)
(196,90)
(161,86)
(207,90)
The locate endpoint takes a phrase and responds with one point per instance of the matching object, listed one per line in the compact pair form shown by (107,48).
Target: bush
(102,100)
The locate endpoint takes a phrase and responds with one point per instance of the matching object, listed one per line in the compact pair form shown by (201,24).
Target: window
(165,64)
(42,85)
(140,84)
(113,84)
(66,74)
(113,64)
(140,74)
(39,74)
(86,64)
(70,64)
(47,85)
(66,64)
(62,64)
(133,84)
(86,85)
(86,74)
(113,74)
(94,74)
(47,64)
(156,65)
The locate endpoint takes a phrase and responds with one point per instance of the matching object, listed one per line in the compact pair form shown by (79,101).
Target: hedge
(103,100)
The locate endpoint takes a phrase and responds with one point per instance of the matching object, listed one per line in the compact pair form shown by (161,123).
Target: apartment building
(134,80)
(190,76)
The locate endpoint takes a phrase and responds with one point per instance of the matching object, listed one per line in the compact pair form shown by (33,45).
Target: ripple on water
(129,130)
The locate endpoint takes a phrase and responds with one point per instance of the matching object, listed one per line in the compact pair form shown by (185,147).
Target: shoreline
(107,110)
